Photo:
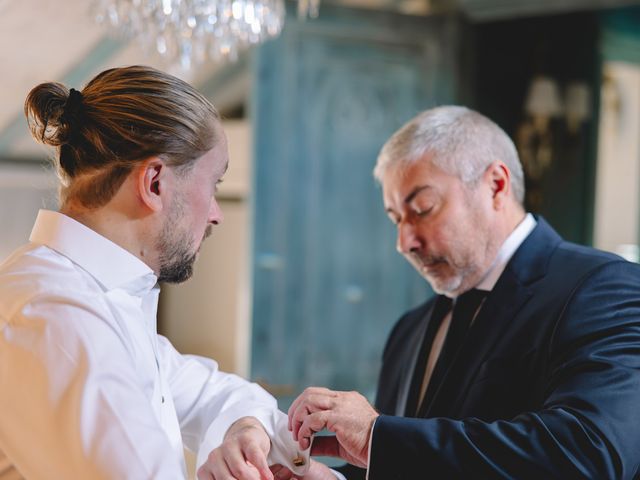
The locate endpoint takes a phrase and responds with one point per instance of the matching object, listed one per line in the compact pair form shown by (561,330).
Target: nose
(408,240)
(215,212)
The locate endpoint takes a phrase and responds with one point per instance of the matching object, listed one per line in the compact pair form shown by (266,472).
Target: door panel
(328,283)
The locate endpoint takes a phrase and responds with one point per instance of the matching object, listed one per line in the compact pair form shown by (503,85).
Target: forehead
(402,182)
(402,176)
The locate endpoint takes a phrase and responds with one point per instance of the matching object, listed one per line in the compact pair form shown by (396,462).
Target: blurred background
(301,283)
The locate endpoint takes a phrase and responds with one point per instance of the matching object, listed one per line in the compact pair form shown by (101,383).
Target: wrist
(319,471)
(244,422)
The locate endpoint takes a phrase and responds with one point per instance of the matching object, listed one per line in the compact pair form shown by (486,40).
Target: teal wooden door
(327,282)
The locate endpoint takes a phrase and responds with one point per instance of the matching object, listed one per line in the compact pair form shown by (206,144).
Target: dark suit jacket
(546,385)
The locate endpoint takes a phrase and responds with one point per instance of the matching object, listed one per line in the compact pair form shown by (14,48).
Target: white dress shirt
(88,389)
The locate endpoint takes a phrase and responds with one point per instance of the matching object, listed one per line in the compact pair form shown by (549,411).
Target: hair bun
(50,110)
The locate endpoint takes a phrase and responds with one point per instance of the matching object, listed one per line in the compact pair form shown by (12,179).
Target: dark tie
(464,310)
(441,307)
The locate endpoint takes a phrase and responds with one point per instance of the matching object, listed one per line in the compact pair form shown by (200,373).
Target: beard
(177,252)
(177,256)
(467,257)
(443,275)
(176,263)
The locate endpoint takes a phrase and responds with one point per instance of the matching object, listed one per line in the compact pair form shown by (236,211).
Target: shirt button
(163,399)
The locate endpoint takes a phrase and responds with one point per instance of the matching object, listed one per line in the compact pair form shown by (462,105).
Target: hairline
(408,146)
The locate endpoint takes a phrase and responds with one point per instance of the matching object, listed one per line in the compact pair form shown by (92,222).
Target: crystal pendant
(189,31)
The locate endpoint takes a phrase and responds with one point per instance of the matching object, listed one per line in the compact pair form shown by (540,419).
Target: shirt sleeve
(71,402)
(208,401)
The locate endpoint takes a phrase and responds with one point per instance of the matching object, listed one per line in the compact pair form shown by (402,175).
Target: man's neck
(117,225)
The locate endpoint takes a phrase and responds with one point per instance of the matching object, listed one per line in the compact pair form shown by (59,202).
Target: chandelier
(192,31)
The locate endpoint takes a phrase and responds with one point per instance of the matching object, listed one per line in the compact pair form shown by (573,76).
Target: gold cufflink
(299,461)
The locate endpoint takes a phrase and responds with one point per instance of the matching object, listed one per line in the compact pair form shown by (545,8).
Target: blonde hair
(121,117)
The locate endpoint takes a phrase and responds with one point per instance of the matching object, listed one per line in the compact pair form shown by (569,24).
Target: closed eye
(423,213)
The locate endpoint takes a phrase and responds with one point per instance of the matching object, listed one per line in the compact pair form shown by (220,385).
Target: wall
(618,181)
(25,187)
(617,208)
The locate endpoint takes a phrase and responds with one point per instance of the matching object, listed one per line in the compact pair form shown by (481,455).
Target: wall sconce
(533,137)
(577,105)
(543,103)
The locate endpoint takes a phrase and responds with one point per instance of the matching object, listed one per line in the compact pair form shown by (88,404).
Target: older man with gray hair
(527,362)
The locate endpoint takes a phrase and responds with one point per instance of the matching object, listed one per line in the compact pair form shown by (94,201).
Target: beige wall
(24,189)
(617,216)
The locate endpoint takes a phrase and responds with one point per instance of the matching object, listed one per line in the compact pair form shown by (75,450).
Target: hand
(348,414)
(317,471)
(241,456)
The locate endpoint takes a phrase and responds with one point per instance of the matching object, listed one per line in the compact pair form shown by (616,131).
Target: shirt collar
(110,264)
(508,248)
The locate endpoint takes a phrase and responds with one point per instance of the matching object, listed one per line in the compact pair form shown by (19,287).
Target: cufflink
(299,461)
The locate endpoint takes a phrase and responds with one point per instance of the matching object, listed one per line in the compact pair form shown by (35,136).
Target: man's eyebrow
(410,197)
(415,192)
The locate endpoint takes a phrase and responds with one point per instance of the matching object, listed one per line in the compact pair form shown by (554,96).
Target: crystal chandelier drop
(191,31)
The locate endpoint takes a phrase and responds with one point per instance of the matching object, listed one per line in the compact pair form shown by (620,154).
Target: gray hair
(463,143)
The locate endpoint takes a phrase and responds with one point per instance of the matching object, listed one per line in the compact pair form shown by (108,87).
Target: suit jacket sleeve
(587,423)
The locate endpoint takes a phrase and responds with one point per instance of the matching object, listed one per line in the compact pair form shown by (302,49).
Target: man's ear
(499,178)
(152,178)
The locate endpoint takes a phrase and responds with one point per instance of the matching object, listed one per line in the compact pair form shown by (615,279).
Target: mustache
(207,232)
(426,260)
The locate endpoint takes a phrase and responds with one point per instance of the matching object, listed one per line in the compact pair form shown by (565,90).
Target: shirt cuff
(284,450)
(373,427)
(338,475)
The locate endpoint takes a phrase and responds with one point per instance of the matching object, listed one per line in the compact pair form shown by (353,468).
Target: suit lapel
(498,314)
(413,347)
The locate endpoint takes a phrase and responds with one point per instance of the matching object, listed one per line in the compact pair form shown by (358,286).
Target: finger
(312,424)
(215,468)
(245,471)
(307,392)
(299,401)
(204,474)
(298,419)
(292,409)
(258,459)
(314,402)
(282,474)
(325,446)
(238,466)
(275,468)
(301,418)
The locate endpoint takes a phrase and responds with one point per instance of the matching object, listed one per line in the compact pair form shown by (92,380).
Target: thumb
(257,459)
(325,446)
